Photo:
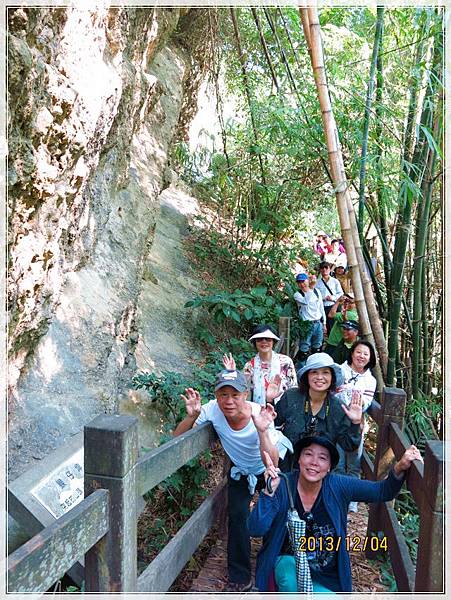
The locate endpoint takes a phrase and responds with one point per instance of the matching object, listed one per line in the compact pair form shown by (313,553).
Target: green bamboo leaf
(431,141)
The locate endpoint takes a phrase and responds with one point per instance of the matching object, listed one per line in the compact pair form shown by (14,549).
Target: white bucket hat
(267,333)
(320,360)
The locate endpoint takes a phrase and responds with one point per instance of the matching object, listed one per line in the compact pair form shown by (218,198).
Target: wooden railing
(426,486)
(103,527)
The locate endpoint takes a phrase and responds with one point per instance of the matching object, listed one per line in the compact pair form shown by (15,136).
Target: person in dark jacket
(321,499)
(314,407)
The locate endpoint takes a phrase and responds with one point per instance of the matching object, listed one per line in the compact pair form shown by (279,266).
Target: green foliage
(387,576)
(421,413)
(253,307)
(409,520)
(164,389)
(183,488)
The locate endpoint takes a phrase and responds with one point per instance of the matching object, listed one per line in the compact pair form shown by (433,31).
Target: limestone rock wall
(95,97)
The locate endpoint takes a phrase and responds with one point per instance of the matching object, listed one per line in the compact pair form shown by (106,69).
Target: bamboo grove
(272,182)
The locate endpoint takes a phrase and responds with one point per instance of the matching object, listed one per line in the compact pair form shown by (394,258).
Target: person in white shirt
(330,290)
(312,316)
(357,380)
(245,430)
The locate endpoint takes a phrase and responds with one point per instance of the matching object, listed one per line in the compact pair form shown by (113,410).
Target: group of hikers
(305,425)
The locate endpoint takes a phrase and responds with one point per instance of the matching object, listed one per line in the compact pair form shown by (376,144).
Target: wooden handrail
(425,484)
(164,569)
(41,561)
(403,567)
(161,462)
(99,530)
(399,443)
(375,411)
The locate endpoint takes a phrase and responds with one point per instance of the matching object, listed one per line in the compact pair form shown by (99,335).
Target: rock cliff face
(96,99)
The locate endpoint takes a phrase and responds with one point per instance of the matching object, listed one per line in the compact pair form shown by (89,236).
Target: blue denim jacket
(269,518)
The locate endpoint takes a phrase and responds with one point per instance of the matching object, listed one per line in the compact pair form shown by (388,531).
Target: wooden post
(393,408)
(111,452)
(429,571)
(284,333)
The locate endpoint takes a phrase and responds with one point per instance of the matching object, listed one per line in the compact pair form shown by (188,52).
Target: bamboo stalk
(343,198)
(411,153)
(419,262)
(383,227)
(246,86)
(265,48)
(366,118)
(282,54)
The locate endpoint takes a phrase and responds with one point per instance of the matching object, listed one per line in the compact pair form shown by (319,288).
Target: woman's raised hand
(271,471)
(264,419)
(412,453)
(229,362)
(273,389)
(354,410)
(192,402)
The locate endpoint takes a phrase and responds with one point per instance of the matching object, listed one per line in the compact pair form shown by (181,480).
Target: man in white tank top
(245,430)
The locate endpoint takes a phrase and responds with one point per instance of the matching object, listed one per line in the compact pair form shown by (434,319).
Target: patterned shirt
(287,373)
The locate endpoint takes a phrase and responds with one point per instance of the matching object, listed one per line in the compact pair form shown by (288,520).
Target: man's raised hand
(229,362)
(192,402)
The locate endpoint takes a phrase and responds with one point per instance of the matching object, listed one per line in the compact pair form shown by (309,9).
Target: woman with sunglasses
(314,407)
(321,499)
(269,373)
(357,378)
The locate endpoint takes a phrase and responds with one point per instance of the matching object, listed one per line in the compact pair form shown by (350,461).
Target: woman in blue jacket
(321,499)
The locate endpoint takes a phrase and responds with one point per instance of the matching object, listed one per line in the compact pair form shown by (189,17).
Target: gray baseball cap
(235,379)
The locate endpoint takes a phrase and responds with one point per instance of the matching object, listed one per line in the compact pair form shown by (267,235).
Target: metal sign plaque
(63,488)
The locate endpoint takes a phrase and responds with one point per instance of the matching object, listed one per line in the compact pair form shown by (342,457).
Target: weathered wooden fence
(426,486)
(103,527)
